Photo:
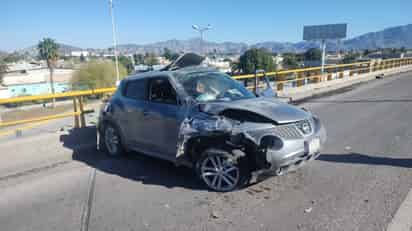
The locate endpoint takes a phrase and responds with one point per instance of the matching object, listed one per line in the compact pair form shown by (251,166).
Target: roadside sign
(323,32)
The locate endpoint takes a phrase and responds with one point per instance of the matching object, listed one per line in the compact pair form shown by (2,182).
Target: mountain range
(394,37)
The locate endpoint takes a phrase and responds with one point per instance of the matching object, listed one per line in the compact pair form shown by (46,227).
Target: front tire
(112,141)
(219,171)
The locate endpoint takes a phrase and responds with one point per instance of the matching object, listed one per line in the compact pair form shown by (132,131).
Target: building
(141,68)
(278,60)
(383,55)
(408,54)
(23,65)
(79,53)
(35,82)
(219,63)
(4,92)
(163,61)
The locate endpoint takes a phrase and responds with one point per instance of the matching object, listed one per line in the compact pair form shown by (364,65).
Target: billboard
(323,32)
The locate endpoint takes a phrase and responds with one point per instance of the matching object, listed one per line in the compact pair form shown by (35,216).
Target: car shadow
(356,158)
(132,166)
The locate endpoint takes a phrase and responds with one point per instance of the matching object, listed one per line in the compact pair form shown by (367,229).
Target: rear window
(135,89)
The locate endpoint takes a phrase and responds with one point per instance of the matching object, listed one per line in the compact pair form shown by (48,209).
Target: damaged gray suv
(204,119)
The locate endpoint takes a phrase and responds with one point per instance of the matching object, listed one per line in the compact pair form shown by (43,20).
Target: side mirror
(268,91)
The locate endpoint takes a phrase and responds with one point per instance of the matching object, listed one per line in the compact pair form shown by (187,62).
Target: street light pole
(201,31)
(323,49)
(114,42)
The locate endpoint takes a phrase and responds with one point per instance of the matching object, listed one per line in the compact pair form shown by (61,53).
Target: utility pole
(114,42)
(323,49)
(201,31)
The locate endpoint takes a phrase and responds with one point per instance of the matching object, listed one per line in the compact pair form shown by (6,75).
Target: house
(35,82)
(219,63)
(79,53)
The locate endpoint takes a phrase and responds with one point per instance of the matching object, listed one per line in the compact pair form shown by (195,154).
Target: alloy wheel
(111,140)
(219,173)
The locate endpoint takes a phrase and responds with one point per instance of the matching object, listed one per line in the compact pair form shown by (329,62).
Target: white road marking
(402,221)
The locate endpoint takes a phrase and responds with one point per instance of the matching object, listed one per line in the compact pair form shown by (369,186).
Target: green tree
(350,58)
(235,67)
(138,59)
(150,59)
(366,52)
(97,74)
(12,58)
(167,53)
(174,56)
(127,63)
(82,58)
(3,69)
(290,61)
(313,54)
(48,50)
(170,55)
(255,59)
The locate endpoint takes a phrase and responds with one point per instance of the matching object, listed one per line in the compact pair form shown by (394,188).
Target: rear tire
(111,141)
(220,172)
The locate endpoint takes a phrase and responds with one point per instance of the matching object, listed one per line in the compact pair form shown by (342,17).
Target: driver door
(161,118)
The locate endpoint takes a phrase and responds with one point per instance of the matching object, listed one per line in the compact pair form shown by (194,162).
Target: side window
(136,89)
(161,91)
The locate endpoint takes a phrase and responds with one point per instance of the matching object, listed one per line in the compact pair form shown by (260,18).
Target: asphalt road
(53,179)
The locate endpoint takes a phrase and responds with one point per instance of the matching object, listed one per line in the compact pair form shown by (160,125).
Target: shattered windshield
(212,86)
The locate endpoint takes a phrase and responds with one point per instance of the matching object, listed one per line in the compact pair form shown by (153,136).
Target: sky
(87,23)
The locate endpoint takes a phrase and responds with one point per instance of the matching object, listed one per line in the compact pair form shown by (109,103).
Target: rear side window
(135,89)
(161,91)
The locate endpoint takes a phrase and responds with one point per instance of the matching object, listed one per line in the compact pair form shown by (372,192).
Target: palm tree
(48,50)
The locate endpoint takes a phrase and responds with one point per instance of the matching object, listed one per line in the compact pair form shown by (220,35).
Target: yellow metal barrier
(298,76)
(314,75)
(70,94)
(78,106)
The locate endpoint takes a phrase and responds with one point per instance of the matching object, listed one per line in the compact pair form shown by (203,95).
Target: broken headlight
(271,142)
(304,126)
(212,124)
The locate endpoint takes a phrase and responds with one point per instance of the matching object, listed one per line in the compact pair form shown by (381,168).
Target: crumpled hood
(270,108)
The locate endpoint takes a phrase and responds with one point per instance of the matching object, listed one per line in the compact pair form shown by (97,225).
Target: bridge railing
(281,80)
(285,79)
(78,112)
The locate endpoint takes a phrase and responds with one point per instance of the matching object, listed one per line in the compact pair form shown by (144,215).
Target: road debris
(266,188)
(214,214)
(256,190)
(308,210)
